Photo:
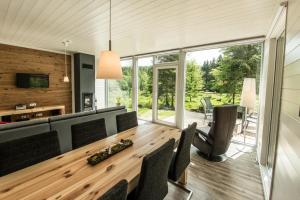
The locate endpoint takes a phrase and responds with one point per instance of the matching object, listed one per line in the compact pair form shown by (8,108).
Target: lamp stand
(245,148)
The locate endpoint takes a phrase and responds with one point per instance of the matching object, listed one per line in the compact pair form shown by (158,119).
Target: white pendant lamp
(109,62)
(66,77)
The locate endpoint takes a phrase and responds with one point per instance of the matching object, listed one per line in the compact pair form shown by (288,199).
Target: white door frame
(156,67)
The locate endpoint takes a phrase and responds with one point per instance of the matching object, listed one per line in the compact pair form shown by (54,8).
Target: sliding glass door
(165,77)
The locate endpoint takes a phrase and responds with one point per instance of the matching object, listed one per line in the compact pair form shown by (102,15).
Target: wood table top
(68,176)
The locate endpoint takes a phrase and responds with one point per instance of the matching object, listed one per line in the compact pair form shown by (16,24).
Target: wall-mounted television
(26,80)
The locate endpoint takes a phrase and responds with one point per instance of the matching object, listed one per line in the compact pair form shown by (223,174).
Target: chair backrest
(117,192)
(182,158)
(224,120)
(88,132)
(153,183)
(126,121)
(24,152)
(208,102)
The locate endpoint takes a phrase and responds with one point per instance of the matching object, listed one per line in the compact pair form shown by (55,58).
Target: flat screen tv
(26,80)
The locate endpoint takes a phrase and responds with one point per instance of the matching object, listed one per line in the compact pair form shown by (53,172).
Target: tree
(208,78)
(194,81)
(167,87)
(237,63)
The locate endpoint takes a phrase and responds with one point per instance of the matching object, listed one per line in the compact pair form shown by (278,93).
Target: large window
(145,79)
(120,91)
(215,77)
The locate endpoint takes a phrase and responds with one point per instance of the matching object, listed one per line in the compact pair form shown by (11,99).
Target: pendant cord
(109,25)
(66,68)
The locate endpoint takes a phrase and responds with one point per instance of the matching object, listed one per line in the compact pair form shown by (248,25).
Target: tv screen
(25,80)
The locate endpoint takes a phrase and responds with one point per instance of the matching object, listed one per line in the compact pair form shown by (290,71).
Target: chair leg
(190,192)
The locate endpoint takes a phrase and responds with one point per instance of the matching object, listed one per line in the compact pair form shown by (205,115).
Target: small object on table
(108,152)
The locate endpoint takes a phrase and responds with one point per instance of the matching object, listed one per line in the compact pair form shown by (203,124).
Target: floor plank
(237,178)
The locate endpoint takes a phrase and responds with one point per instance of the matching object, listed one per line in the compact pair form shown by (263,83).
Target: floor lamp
(248,99)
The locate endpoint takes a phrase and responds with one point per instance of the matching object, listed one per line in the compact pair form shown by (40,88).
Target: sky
(201,56)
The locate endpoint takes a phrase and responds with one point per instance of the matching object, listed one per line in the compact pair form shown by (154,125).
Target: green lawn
(146,113)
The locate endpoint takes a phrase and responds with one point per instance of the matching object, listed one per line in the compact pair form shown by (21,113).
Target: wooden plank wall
(17,59)
(287,167)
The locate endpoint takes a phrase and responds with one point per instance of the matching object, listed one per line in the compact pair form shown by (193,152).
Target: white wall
(286,183)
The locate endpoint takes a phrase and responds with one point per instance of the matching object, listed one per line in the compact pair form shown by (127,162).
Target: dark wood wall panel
(23,60)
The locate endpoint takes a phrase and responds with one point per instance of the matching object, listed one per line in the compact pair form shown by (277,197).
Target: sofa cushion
(23,129)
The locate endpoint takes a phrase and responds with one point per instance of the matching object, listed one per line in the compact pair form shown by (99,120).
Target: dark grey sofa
(18,130)
(62,124)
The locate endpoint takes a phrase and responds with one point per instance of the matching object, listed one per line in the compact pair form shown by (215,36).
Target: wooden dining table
(69,176)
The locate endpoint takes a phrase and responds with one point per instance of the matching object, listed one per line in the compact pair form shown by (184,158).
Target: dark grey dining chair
(214,141)
(153,182)
(24,152)
(88,132)
(126,121)
(117,192)
(181,157)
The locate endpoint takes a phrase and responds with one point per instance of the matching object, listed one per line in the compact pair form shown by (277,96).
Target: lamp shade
(248,97)
(109,66)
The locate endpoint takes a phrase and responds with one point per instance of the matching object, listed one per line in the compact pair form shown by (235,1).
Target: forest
(220,78)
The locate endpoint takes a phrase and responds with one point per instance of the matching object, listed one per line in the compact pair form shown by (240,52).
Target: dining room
(149,100)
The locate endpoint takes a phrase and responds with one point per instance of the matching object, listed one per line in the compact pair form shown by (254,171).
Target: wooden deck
(237,178)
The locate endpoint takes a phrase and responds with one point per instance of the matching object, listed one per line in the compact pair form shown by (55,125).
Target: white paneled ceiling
(138,26)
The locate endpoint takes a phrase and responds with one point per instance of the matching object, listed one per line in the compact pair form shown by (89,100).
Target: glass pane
(214,77)
(145,76)
(120,91)
(166,88)
(100,93)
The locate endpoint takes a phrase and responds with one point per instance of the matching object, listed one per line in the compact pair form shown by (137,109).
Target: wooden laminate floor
(236,178)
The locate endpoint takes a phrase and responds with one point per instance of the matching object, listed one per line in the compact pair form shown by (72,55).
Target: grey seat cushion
(72,115)
(20,153)
(19,130)
(22,124)
(110,109)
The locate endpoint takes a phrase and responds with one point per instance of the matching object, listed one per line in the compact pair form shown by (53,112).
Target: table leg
(183,178)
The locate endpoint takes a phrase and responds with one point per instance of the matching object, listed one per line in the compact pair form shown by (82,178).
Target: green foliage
(194,82)
(145,76)
(221,79)
(166,88)
(126,83)
(237,63)
(207,76)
